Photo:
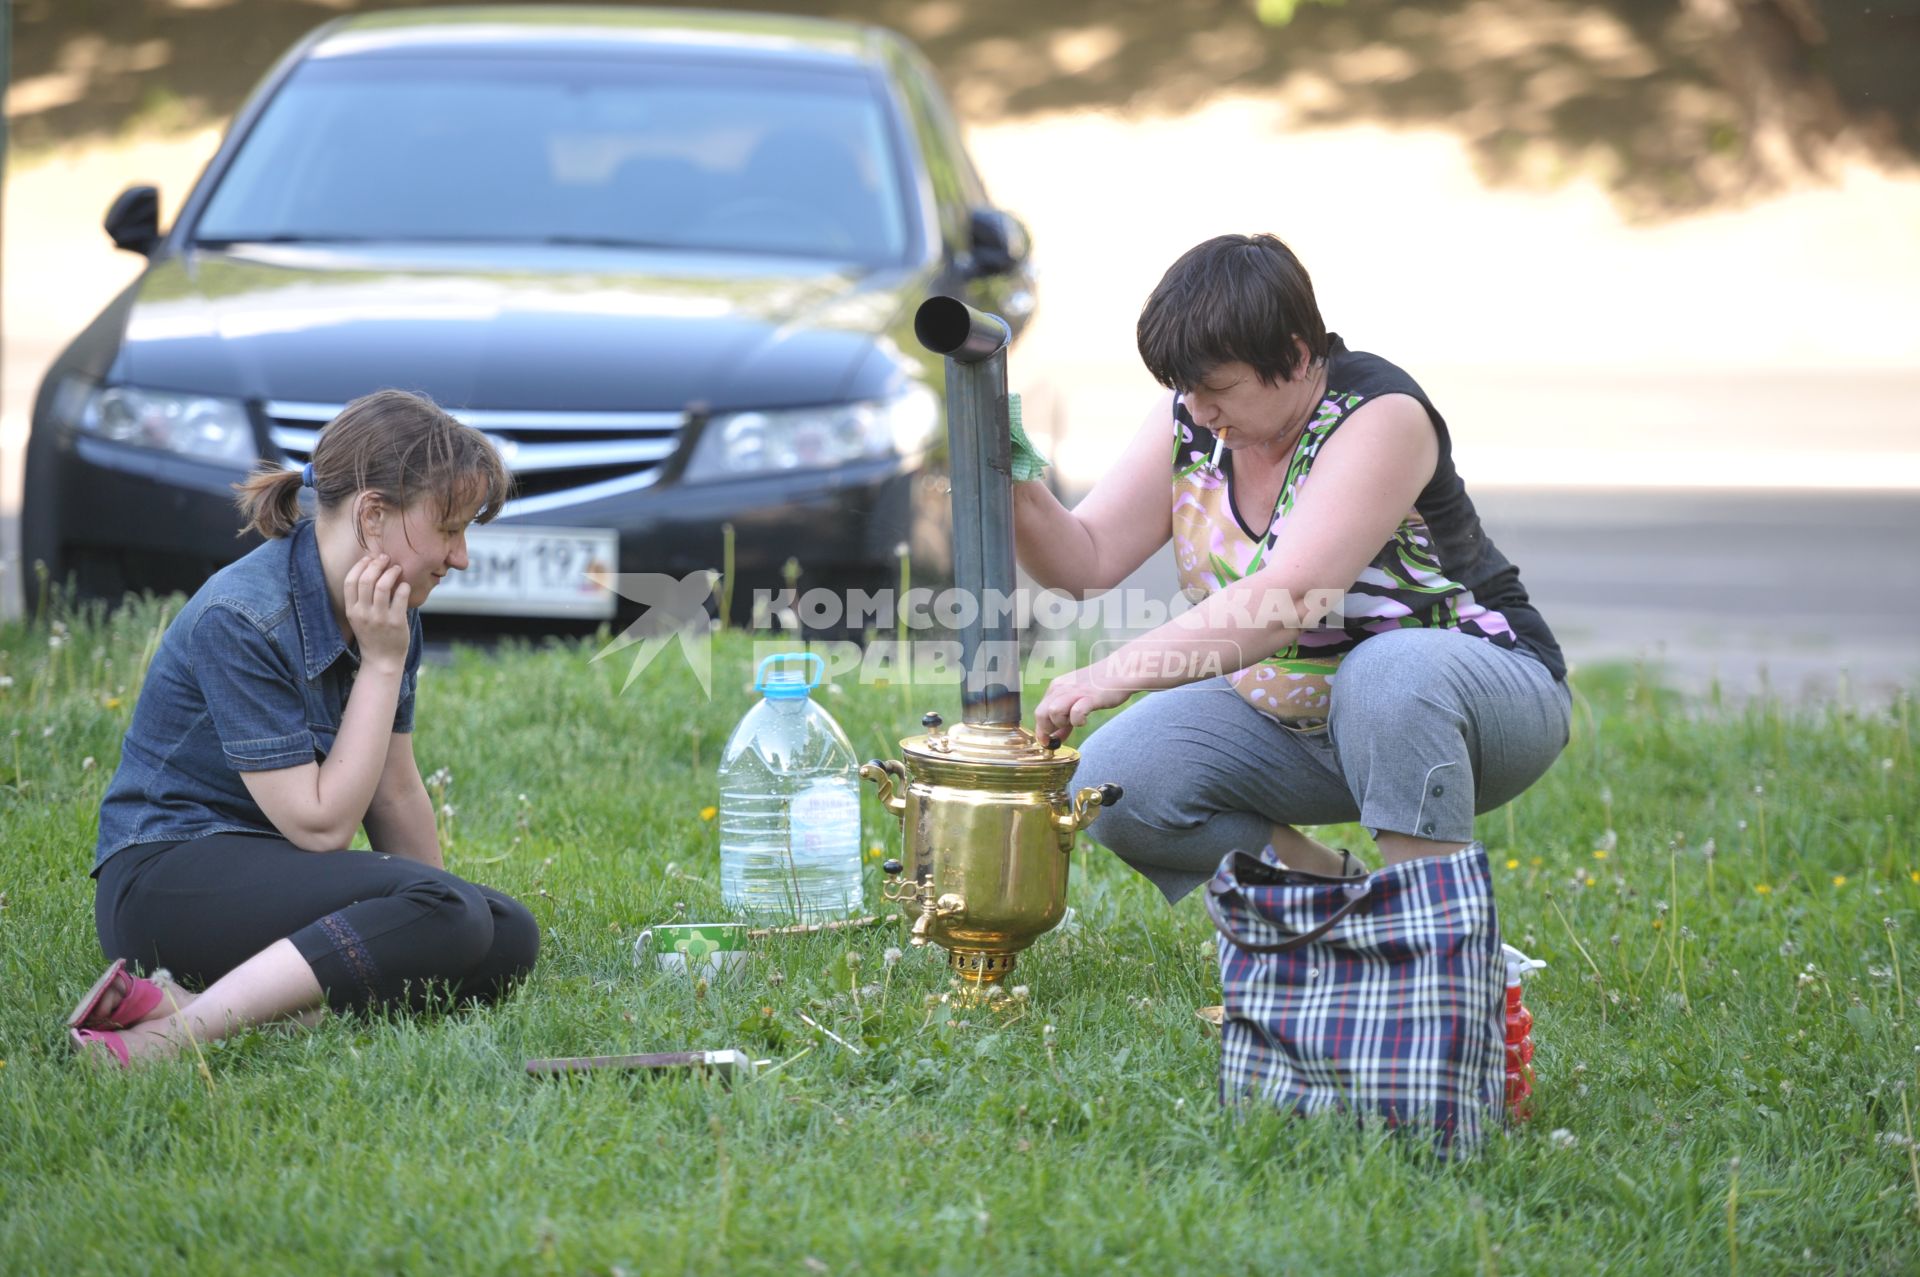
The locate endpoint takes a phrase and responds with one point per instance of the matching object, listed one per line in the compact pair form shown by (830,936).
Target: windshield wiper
(602,241)
(277,237)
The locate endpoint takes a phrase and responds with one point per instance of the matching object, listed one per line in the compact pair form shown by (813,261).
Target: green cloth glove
(1027,461)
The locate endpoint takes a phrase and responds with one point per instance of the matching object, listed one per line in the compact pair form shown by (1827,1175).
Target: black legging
(378,930)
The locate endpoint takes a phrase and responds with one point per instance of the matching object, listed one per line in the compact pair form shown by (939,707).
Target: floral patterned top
(1438,571)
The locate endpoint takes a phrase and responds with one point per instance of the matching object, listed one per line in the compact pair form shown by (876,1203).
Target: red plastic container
(1519,1036)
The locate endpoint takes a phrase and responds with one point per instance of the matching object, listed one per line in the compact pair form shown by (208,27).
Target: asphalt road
(1806,595)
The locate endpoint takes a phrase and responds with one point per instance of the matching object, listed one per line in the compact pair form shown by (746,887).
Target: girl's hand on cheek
(377,611)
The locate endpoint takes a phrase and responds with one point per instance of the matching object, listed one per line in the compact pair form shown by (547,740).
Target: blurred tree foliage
(1672,104)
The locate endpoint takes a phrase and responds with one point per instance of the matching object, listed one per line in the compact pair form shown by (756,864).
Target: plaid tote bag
(1379,994)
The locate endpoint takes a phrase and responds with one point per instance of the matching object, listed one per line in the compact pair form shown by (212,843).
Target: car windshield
(714,157)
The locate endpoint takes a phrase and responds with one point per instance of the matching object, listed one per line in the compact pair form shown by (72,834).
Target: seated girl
(276,719)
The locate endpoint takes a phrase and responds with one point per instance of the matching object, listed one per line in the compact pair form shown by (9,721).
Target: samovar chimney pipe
(980,457)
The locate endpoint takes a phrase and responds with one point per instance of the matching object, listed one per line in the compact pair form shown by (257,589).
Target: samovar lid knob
(931,719)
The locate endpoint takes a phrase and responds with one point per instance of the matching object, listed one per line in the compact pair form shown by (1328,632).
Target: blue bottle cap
(791,681)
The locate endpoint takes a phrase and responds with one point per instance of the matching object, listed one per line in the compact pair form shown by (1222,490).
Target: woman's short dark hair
(1234,299)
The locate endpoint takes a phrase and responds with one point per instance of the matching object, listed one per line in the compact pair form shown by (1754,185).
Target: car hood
(559,329)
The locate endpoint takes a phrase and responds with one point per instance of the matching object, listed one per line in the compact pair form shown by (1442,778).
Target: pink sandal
(84,1040)
(138,998)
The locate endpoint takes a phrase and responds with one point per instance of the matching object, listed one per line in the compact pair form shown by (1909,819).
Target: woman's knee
(1392,675)
(1150,792)
(516,937)
(455,926)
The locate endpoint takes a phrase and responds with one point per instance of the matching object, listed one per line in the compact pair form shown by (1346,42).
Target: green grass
(1727,1040)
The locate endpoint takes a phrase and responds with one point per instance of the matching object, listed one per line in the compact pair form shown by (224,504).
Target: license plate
(523,571)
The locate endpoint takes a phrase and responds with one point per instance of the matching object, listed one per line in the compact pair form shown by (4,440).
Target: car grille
(557,458)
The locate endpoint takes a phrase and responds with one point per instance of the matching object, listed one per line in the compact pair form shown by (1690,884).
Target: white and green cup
(697,948)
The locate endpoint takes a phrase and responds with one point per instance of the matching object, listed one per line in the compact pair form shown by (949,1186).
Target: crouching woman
(277,718)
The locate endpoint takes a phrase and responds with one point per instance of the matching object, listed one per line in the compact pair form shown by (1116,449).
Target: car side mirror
(134,219)
(1000,243)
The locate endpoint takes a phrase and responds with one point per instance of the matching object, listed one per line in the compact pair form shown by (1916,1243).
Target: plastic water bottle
(789,804)
(1519,1035)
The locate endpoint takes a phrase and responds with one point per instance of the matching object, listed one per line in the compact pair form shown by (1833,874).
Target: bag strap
(1357,893)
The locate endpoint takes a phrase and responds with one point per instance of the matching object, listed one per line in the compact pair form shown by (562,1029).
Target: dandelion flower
(87,764)
(891,955)
(1763,889)
(709,812)
(1839,880)
(1512,863)
(1600,853)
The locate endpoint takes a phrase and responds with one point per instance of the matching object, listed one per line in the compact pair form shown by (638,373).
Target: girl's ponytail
(269,501)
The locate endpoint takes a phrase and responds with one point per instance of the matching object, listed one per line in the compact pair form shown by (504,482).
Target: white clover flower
(87,764)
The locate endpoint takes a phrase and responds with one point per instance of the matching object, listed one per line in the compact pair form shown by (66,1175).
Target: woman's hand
(377,612)
(1068,701)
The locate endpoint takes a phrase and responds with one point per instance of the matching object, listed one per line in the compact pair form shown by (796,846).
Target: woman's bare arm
(400,818)
(1127,516)
(317,806)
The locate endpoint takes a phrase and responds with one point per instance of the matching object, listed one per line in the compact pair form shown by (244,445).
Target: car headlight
(204,426)
(742,443)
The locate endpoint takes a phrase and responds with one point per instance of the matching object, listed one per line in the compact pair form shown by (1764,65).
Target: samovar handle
(883,772)
(1086,806)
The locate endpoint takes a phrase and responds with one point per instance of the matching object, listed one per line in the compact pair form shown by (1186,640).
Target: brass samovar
(988,818)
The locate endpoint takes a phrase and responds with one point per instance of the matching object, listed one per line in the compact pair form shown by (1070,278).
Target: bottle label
(825,822)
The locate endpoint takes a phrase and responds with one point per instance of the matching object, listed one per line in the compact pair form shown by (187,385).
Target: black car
(667,260)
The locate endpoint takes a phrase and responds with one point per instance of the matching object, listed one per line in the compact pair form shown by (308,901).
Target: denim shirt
(252,676)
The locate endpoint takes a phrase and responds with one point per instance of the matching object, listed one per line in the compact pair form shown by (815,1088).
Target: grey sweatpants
(1426,728)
